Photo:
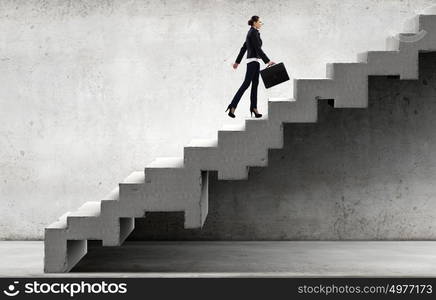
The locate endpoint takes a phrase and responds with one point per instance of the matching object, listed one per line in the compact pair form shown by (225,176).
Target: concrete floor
(234,259)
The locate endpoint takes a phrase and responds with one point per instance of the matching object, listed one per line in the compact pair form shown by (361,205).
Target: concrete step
(85,221)
(60,223)
(350,82)
(292,111)
(202,154)
(234,143)
(60,255)
(110,228)
(130,192)
(270,131)
(165,185)
(229,132)
(88,209)
(165,163)
(112,206)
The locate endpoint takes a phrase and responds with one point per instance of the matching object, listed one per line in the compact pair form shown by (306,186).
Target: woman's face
(258,24)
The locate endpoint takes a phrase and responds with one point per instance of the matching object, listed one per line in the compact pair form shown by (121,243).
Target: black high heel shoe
(230,111)
(256,114)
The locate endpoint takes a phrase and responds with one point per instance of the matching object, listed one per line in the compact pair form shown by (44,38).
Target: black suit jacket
(252,45)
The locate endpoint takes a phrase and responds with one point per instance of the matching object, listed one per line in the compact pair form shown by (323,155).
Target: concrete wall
(93,90)
(357,174)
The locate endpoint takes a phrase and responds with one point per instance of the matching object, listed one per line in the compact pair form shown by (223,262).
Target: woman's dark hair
(252,20)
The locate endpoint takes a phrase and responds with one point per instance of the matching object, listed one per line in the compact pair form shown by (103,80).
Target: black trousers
(251,76)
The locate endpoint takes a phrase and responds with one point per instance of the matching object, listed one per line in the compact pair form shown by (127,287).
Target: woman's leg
(251,69)
(254,84)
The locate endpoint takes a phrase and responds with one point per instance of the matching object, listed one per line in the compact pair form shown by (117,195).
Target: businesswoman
(252,45)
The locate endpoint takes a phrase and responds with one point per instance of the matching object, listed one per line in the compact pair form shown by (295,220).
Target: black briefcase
(274,75)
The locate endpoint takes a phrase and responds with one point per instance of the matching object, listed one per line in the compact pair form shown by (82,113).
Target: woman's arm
(241,53)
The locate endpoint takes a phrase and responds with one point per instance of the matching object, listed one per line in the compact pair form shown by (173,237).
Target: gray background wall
(93,90)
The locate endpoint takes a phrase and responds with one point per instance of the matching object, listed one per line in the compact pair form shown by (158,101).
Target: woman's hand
(235,65)
(270,63)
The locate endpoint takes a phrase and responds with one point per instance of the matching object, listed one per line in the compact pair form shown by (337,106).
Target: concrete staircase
(181,183)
